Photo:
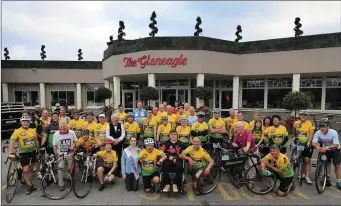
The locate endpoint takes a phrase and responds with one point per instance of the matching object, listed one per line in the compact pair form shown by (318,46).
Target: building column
(42,95)
(111,87)
(296,82)
(200,83)
(323,96)
(4,92)
(235,92)
(116,90)
(151,83)
(78,96)
(266,93)
(107,85)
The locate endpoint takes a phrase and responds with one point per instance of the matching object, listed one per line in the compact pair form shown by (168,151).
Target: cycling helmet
(54,113)
(85,131)
(25,118)
(130,114)
(323,122)
(148,141)
(216,111)
(108,141)
(303,112)
(275,146)
(201,113)
(57,105)
(164,117)
(183,118)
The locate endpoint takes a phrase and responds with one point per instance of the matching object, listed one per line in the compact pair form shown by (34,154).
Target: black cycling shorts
(334,155)
(26,158)
(308,152)
(147,180)
(285,183)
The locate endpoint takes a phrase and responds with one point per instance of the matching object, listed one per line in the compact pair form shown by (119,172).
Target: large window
(64,94)
(312,86)
(91,95)
(277,89)
(333,93)
(253,93)
(26,93)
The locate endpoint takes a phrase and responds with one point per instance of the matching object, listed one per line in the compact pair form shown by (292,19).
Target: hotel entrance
(172,95)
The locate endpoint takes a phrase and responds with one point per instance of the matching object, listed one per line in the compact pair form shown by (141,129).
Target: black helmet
(85,131)
(323,122)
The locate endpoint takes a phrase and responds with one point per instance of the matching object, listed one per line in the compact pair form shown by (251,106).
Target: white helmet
(148,141)
(57,105)
(25,118)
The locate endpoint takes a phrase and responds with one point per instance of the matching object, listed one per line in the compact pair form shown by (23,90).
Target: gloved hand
(11,156)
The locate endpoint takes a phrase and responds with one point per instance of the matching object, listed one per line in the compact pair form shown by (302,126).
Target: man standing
(116,133)
(139,113)
(122,114)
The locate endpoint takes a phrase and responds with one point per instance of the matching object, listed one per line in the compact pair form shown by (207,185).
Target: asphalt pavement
(224,194)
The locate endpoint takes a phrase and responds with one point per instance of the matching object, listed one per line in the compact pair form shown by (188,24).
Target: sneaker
(338,185)
(166,188)
(39,176)
(101,187)
(61,188)
(30,189)
(223,169)
(175,188)
(308,180)
(328,183)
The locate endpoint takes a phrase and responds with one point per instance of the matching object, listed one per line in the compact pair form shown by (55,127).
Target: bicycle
(86,174)
(321,173)
(51,176)
(297,160)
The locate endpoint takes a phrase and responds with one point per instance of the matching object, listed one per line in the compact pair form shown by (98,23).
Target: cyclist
(230,120)
(139,113)
(76,124)
(163,130)
(200,129)
(279,163)
(122,114)
(90,124)
(110,159)
(62,115)
(255,117)
(244,138)
(304,133)
(156,115)
(132,129)
(257,132)
(217,129)
(240,117)
(172,148)
(184,131)
(331,146)
(267,123)
(28,145)
(186,109)
(191,116)
(162,110)
(85,142)
(199,160)
(149,125)
(101,130)
(171,116)
(180,114)
(49,132)
(45,119)
(278,134)
(57,109)
(148,158)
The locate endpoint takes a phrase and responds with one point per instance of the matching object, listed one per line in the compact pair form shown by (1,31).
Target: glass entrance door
(169,96)
(182,96)
(128,100)
(226,99)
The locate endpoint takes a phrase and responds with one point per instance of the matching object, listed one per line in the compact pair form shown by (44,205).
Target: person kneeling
(173,148)
(109,165)
(148,158)
(281,166)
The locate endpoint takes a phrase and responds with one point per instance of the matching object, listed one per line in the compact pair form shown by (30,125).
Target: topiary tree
(203,92)
(103,93)
(149,93)
(295,101)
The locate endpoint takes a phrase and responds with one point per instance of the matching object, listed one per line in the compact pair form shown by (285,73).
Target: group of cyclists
(137,144)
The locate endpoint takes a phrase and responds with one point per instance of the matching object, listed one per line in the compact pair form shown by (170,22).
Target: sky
(64,27)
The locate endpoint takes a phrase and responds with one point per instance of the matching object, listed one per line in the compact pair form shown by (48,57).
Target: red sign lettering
(147,60)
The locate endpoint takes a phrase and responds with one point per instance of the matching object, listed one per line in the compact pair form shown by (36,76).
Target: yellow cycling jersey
(172,119)
(122,117)
(100,131)
(199,156)
(186,112)
(76,126)
(45,122)
(64,119)
(149,161)
(198,127)
(277,134)
(27,139)
(157,118)
(229,121)
(216,124)
(183,133)
(148,127)
(164,130)
(282,162)
(162,113)
(91,127)
(178,115)
(303,130)
(257,135)
(265,134)
(108,157)
(84,144)
(131,130)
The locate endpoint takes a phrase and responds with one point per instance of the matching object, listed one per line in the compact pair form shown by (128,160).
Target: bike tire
(9,197)
(81,175)
(259,174)
(300,170)
(45,179)
(214,171)
(320,167)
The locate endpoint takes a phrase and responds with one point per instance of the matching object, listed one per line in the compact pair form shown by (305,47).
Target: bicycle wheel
(320,177)
(301,172)
(50,186)
(82,183)
(207,184)
(258,183)
(12,179)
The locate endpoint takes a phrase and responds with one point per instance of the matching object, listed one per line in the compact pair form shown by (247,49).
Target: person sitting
(85,142)
(172,148)
(110,159)
(243,138)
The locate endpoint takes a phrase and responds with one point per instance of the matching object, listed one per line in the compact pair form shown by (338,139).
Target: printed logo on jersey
(23,133)
(73,124)
(145,156)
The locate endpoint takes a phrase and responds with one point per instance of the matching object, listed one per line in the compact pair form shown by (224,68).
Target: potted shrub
(149,93)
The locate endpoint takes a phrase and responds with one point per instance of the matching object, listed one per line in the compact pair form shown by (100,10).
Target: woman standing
(130,168)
